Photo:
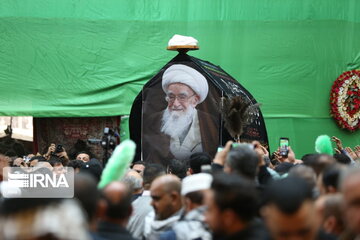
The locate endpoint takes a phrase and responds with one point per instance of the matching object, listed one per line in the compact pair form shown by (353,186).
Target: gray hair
(243,160)
(304,172)
(132,181)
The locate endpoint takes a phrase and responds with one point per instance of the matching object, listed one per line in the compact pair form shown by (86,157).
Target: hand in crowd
(290,157)
(262,152)
(62,154)
(51,150)
(220,156)
(260,149)
(357,151)
(338,143)
(351,153)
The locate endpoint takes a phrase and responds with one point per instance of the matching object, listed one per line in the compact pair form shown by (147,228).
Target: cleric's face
(179,97)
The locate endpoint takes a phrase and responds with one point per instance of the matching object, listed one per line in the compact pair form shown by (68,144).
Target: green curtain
(77,58)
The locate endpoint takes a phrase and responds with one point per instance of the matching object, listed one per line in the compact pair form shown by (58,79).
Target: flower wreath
(345,100)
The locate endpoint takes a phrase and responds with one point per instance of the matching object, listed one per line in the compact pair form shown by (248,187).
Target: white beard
(175,123)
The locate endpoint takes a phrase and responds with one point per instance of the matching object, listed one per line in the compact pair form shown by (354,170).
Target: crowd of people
(244,192)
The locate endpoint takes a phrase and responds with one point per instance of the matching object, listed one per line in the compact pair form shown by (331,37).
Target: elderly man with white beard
(180,130)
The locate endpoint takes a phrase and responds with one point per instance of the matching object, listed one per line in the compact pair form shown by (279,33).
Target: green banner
(90,58)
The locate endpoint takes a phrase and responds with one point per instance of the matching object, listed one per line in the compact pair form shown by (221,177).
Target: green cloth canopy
(77,58)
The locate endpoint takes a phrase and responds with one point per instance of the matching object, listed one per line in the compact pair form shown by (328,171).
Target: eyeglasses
(181,98)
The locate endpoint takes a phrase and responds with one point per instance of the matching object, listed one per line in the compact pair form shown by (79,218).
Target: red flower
(352,104)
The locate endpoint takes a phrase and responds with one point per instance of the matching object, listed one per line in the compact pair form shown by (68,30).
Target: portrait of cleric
(179,117)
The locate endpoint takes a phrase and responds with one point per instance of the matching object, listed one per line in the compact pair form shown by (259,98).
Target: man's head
(197,160)
(304,172)
(185,88)
(115,205)
(289,212)
(152,171)
(193,190)
(330,209)
(34,160)
(134,180)
(138,166)
(318,162)
(350,189)
(330,178)
(177,168)
(180,97)
(165,194)
(342,158)
(231,204)
(242,160)
(92,167)
(76,164)
(83,156)
(86,191)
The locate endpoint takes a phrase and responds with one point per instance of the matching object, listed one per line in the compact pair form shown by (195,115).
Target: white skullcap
(179,73)
(196,182)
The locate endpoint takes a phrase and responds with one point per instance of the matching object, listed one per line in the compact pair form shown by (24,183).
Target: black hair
(243,160)
(288,194)
(92,167)
(283,167)
(138,163)
(237,194)
(331,176)
(39,158)
(86,191)
(178,168)
(76,164)
(19,149)
(83,152)
(199,159)
(318,162)
(54,160)
(196,197)
(10,153)
(309,157)
(342,158)
(152,171)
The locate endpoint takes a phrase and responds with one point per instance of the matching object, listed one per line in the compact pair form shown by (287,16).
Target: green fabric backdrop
(91,57)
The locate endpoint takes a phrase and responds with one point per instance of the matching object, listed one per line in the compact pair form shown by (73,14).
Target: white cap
(180,73)
(180,40)
(196,182)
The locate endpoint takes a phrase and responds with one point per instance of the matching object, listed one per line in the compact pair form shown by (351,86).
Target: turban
(196,182)
(179,73)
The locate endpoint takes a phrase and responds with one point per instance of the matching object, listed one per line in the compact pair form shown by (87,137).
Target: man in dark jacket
(232,207)
(289,211)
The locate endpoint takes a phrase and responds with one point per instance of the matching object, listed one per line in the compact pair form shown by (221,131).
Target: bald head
(117,196)
(168,182)
(115,191)
(166,197)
